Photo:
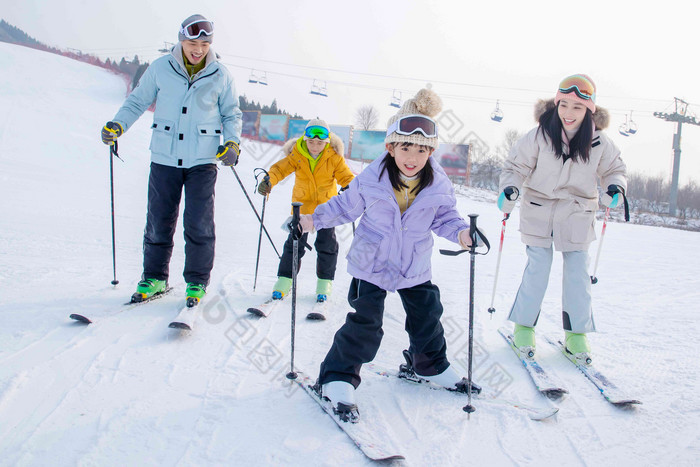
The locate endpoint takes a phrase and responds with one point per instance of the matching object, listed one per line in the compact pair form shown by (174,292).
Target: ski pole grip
(509,191)
(296,228)
(473,230)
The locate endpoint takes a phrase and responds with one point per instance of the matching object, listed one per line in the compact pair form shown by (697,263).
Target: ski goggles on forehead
(580,85)
(197,28)
(317,132)
(411,124)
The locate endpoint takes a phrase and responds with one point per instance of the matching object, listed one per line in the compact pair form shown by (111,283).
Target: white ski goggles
(197,28)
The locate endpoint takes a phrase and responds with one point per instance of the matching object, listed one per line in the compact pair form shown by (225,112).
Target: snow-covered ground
(128,390)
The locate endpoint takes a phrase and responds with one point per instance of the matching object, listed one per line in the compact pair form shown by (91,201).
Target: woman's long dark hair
(579,146)
(425,176)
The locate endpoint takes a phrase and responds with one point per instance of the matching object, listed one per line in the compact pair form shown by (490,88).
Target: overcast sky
(511,51)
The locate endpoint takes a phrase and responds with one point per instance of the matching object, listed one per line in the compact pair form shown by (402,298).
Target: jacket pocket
(299,192)
(421,258)
(579,227)
(535,216)
(208,139)
(162,137)
(367,251)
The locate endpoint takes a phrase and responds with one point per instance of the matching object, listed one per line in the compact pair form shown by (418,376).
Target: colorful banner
(454,158)
(250,121)
(344,132)
(273,128)
(367,145)
(296,128)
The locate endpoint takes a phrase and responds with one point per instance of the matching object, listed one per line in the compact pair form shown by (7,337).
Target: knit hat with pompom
(425,103)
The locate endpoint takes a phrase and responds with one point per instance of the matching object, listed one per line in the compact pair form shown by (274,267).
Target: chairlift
(253,77)
(631,126)
(262,79)
(167,47)
(319,89)
(497,114)
(396,99)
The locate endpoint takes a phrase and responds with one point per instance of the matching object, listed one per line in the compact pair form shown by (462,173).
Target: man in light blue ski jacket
(195,106)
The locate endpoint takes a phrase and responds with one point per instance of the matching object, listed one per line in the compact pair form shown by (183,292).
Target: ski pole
(498,264)
(296,235)
(113,152)
(262,220)
(469,408)
(254,210)
(594,279)
(474,234)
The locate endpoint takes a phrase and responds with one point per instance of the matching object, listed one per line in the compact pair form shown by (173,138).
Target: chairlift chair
(631,126)
(623,130)
(253,77)
(396,99)
(318,89)
(497,114)
(262,79)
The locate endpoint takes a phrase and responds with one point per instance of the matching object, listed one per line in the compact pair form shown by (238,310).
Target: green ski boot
(323,289)
(195,292)
(281,288)
(147,289)
(577,345)
(524,340)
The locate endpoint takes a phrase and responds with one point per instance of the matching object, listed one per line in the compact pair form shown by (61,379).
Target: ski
(408,375)
(186,317)
(545,382)
(607,388)
(264,309)
(85,318)
(360,433)
(319,311)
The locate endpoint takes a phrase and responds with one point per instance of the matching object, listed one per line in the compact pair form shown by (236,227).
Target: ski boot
(342,397)
(195,292)
(323,289)
(448,379)
(282,287)
(147,289)
(577,346)
(524,340)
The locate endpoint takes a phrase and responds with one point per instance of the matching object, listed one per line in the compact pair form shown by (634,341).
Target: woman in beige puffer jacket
(557,167)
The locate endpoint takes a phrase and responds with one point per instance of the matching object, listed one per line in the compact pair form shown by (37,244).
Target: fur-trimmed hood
(601,117)
(336,143)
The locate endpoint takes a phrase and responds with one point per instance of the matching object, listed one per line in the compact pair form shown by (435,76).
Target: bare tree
(367,117)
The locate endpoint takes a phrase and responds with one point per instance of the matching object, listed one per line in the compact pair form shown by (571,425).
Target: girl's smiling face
(410,159)
(571,114)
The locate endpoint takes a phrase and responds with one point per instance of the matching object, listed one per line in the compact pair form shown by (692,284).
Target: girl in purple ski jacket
(403,197)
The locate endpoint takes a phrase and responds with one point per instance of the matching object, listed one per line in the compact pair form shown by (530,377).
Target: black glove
(110,132)
(506,200)
(613,197)
(228,153)
(265,187)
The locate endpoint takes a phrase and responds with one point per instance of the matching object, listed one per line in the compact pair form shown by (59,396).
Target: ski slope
(127,390)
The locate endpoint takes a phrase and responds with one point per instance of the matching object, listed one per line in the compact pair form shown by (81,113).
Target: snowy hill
(127,390)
